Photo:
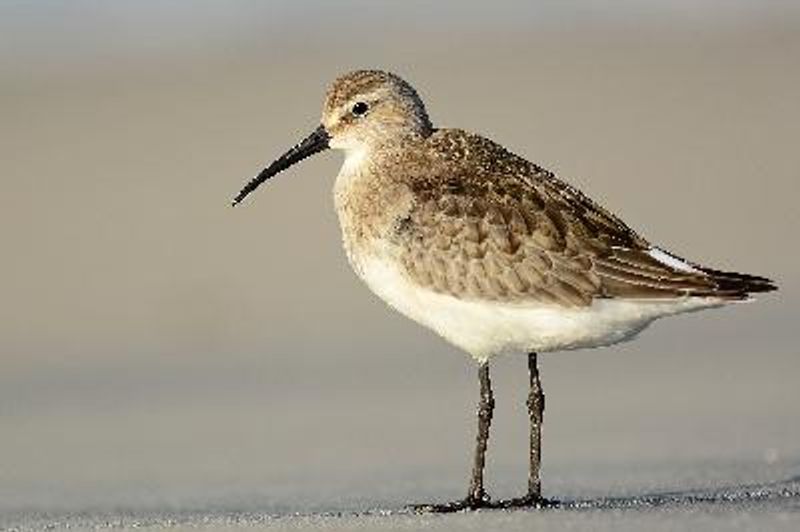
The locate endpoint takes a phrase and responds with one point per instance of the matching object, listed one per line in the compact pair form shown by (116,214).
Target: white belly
(488,328)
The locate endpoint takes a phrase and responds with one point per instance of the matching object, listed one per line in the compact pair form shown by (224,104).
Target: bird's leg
(536,416)
(485,410)
(535,404)
(476,497)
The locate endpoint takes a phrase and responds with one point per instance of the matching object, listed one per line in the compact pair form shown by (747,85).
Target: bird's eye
(360,108)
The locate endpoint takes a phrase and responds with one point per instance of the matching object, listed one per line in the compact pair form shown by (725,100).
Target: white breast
(488,328)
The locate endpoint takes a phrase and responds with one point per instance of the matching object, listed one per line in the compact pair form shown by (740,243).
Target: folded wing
(515,233)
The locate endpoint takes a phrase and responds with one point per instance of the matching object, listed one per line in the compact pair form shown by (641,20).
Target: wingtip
(741,284)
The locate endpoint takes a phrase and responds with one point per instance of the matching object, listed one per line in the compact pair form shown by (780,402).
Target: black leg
(485,411)
(476,497)
(535,402)
(536,415)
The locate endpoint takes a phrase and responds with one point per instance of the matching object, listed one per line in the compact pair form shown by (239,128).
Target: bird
(493,252)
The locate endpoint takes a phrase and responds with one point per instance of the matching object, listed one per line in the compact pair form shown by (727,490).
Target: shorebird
(493,252)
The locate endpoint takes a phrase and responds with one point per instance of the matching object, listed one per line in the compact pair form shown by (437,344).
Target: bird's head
(363,110)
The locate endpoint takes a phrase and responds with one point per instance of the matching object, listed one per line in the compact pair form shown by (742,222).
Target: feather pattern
(486,224)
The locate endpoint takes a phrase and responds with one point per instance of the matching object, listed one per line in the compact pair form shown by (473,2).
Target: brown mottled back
(486,224)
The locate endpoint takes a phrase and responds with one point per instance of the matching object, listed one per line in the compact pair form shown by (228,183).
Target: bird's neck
(369,197)
(367,165)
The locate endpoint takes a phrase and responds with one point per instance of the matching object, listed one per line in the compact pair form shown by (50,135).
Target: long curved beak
(316,142)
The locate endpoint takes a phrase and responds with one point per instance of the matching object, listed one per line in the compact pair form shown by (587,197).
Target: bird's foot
(527,501)
(469,503)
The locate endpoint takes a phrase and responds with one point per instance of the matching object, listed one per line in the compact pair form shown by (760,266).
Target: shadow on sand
(787,491)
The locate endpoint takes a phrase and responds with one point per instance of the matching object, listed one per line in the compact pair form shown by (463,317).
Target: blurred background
(161,350)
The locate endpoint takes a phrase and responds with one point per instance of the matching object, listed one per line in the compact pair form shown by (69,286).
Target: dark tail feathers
(739,285)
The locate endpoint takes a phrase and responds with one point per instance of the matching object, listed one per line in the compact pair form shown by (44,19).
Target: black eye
(360,108)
